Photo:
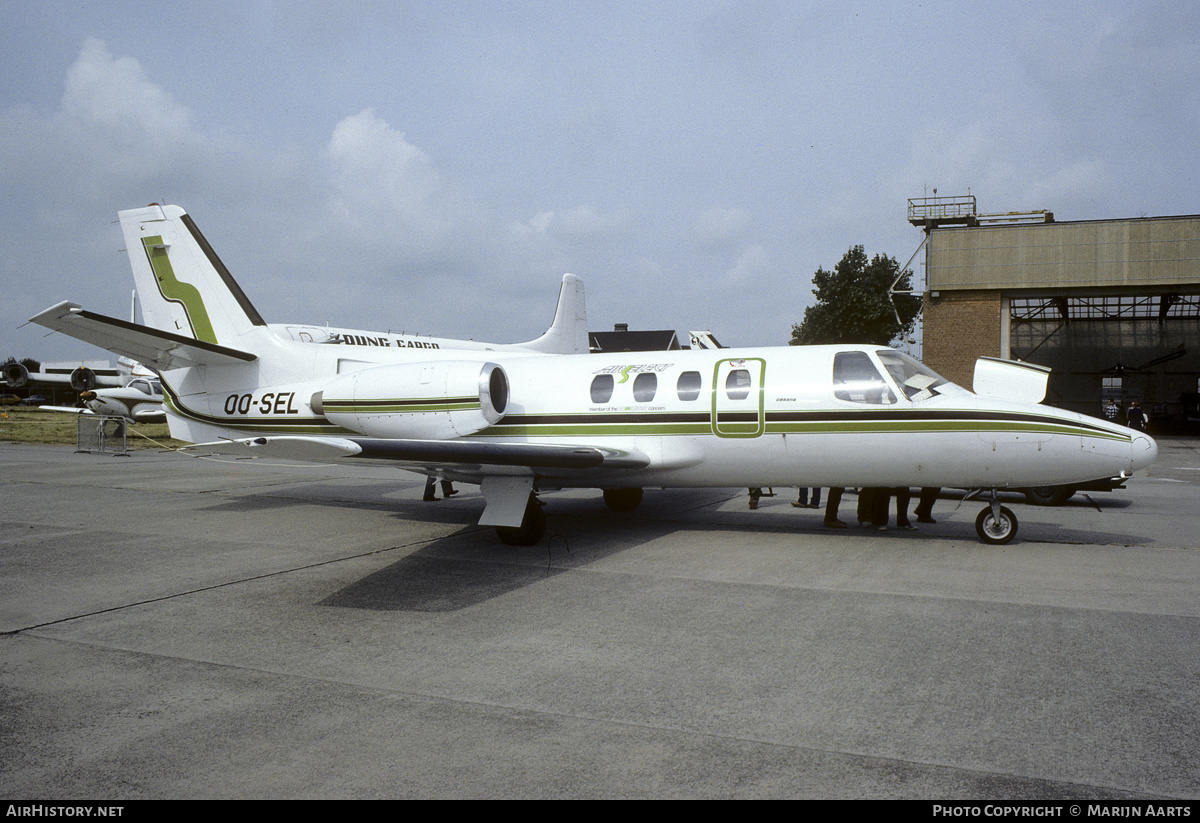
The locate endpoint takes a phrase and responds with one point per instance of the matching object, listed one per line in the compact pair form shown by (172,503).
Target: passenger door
(737,397)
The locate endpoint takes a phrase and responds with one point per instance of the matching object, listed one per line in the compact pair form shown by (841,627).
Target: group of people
(873,505)
(1135,417)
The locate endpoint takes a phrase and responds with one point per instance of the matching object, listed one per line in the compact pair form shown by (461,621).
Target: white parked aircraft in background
(139,401)
(527,418)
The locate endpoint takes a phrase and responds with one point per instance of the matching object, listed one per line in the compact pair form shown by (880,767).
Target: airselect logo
(625,371)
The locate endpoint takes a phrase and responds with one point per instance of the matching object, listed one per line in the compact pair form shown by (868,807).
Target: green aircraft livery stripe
(176,291)
(677,425)
(398,406)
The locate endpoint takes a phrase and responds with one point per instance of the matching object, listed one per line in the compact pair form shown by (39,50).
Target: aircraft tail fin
(184,287)
(568,333)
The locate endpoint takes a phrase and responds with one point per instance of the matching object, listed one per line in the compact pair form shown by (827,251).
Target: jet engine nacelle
(421,401)
(83,379)
(16,375)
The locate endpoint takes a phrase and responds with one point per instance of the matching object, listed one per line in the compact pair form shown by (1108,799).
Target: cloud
(384,184)
(580,224)
(115,139)
(717,227)
(751,266)
(112,98)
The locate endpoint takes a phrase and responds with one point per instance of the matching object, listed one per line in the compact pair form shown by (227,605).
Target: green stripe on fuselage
(399,406)
(652,424)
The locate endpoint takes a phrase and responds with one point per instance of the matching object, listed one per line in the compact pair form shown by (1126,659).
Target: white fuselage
(726,417)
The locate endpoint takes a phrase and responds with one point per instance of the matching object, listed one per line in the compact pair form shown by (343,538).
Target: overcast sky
(437,166)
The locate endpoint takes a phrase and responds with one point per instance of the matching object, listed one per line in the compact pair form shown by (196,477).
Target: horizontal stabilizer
(159,349)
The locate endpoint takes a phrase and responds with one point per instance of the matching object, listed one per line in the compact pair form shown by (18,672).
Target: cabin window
(737,384)
(602,388)
(140,385)
(856,379)
(644,387)
(688,387)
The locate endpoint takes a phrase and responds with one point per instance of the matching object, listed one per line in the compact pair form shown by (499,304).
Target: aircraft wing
(160,349)
(66,409)
(539,458)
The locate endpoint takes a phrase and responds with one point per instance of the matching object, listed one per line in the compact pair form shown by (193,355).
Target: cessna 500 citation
(525,418)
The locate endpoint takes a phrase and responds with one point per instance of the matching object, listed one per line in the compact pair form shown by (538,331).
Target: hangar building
(1112,306)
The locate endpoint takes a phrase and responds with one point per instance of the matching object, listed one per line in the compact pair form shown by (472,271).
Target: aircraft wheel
(993,529)
(531,530)
(622,500)
(1049,495)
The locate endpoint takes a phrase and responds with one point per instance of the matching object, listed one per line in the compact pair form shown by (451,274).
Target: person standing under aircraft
(924,509)
(431,482)
(802,501)
(872,507)
(903,496)
(831,509)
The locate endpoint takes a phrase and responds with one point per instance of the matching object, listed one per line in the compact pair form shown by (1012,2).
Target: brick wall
(958,327)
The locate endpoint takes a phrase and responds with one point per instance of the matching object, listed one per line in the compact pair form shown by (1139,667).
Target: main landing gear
(533,525)
(532,528)
(622,500)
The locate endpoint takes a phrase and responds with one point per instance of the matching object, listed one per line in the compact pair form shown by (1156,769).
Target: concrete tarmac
(181,628)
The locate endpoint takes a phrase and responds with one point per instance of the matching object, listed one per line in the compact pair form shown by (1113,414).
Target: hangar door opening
(1143,347)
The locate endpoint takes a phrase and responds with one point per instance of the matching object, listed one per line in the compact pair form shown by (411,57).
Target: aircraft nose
(1143,451)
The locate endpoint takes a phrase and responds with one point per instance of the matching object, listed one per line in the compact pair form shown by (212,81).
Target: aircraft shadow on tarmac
(381,496)
(470,567)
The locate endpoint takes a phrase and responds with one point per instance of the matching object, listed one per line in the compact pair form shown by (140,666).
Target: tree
(853,304)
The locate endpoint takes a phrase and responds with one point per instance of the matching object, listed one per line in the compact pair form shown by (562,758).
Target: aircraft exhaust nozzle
(16,375)
(83,379)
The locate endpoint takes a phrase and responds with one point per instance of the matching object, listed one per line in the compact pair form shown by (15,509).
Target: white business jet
(544,415)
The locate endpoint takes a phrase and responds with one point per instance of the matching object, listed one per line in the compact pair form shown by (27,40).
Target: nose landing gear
(996,524)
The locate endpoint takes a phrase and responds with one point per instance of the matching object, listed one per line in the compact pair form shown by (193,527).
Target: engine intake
(422,401)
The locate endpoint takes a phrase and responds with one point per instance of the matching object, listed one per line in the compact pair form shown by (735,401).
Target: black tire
(531,530)
(996,530)
(1049,495)
(622,500)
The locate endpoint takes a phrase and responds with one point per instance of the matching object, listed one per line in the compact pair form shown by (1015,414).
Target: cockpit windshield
(917,381)
(856,379)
